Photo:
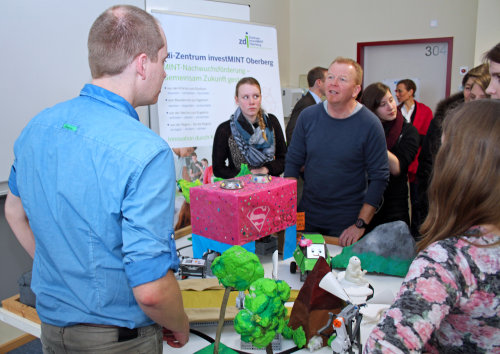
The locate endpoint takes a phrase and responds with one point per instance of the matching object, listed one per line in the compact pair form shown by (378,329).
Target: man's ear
(357,89)
(140,65)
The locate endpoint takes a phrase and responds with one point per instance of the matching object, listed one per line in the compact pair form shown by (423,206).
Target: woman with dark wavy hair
(450,298)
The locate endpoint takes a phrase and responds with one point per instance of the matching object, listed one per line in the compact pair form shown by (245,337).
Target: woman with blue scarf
(249,137)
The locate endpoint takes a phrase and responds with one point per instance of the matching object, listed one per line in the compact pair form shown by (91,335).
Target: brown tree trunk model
(222,316)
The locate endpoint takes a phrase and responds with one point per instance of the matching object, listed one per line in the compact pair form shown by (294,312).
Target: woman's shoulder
(223,131)
(224,125)
(272,117)
(273,120)
(447,104)
(475,244)
(478,236)
(423,108)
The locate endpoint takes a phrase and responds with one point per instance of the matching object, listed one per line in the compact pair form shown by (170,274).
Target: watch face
(360,223)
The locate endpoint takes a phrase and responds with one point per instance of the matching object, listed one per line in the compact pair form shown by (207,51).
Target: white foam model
(350,285)
(275,265)
(331,284)
(354,273)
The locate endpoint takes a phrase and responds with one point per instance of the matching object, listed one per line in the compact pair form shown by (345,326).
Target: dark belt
(124,333)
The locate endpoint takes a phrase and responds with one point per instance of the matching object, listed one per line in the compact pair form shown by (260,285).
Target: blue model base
(290,241)
(201,244)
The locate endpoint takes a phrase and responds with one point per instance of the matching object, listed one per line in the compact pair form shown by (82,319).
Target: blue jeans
(109,340)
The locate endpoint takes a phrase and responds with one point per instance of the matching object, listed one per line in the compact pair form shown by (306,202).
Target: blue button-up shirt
(98,189)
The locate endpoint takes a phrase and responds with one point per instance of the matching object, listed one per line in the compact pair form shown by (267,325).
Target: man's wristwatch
(361,224)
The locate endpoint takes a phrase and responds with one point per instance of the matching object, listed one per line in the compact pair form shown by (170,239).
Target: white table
(381,283)
(19,322)
(388,284)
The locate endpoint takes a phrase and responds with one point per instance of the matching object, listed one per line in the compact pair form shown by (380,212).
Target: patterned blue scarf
(254,148)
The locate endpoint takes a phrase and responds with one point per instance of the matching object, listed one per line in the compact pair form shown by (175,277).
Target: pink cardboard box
(239,216)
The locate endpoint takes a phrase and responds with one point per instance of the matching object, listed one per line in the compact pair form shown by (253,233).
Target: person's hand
(175,339)
(261,170)
(350,235)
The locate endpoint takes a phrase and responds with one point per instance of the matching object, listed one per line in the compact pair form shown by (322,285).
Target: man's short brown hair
(355,64)
(317,73)
(118,36)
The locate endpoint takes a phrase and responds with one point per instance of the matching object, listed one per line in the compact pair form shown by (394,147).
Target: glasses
(340,78)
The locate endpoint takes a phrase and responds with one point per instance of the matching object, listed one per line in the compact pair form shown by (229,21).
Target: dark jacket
(430,147)
(306,101)
(395,204)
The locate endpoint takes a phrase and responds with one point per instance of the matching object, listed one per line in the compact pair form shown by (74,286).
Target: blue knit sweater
(345,166)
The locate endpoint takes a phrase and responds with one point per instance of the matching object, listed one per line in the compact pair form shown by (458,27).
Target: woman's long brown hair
(465,186)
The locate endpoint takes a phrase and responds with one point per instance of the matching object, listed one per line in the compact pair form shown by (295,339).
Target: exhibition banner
(207,57)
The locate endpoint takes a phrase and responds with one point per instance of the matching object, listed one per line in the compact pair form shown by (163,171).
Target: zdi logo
(245,41)
(258,216)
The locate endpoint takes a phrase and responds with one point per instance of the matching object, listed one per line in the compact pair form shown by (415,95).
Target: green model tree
(265,313)
(298,335)
(236,269)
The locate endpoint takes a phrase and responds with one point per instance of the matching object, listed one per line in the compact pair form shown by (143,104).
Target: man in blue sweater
(341,145)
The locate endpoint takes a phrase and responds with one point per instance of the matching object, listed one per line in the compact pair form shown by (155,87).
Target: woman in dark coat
(402,145)
(432,140)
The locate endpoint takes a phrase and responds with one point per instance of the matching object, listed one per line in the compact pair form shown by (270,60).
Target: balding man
(92,189)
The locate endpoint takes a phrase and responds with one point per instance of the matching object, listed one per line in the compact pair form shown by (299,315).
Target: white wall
(276,13)
(488,28)
(44,61)
(320,30)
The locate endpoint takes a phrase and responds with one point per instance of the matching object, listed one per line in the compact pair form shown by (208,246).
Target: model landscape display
(234,213)
(264,313)
(323,313)
(388,249)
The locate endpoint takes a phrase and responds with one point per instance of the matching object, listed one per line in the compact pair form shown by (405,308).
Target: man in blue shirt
(92,200)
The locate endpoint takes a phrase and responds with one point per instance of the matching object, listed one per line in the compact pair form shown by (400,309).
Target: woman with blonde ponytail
(450,299)
(251,136)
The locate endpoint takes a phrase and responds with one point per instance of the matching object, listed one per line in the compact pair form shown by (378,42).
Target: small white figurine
(315,343)
(353,272)
(275,265)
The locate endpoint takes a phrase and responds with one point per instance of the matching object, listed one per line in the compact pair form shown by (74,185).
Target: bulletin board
(427,61)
